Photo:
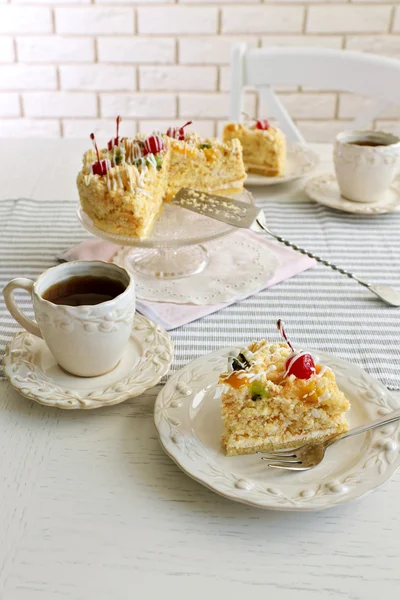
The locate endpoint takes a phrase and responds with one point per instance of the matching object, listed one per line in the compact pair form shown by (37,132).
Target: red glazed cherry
(115,141)
(178,133)
(300,364)
(153,144)
(262,124)
(101,166)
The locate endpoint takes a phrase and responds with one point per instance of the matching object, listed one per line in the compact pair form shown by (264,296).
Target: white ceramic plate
(324,189)
(32,370)
(300,161)
(187,417)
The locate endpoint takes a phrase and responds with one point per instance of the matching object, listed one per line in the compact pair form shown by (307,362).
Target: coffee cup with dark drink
(366,164)
(84,312)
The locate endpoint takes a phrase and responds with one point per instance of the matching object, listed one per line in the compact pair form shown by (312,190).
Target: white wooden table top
(91,508)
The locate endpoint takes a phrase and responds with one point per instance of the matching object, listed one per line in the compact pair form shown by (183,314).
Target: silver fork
(309,456)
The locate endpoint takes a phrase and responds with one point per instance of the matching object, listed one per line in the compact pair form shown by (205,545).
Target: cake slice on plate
(275,397)
(264,146)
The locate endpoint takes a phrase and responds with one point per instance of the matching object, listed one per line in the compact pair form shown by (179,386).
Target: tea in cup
(84,312)
(366,164)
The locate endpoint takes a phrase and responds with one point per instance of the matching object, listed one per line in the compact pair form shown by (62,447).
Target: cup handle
(8,293)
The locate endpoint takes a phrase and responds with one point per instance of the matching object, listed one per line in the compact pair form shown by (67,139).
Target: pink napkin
(170,315)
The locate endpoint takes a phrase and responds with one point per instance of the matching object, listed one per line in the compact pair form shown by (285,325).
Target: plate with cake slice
(267,157)
(215,414)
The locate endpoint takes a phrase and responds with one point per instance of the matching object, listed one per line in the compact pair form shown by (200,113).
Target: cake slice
(204,164)
(264,146)
(273,397)
(122,187)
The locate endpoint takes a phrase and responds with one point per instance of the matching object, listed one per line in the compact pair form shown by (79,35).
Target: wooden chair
(366,74)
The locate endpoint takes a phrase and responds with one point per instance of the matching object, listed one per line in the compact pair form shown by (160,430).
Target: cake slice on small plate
(264,146)
(275,397)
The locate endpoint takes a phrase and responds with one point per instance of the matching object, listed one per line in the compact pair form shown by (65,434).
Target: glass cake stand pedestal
(175,249)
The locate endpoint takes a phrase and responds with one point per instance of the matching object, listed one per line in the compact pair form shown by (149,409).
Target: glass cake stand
(175,248)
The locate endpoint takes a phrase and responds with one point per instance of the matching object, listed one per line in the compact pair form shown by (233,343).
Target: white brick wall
(55,49)
(59,104)
(68,67)
(98,77)
(262,19)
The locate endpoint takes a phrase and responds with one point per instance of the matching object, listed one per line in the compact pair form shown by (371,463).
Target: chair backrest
(324,69)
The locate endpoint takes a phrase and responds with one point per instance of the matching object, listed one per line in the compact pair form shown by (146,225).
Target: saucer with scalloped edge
(324,189)
(32,370)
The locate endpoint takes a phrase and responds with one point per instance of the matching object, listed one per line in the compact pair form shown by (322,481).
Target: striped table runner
(322,309)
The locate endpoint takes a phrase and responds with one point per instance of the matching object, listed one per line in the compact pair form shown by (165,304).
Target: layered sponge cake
(122,187)
(207,165)
(273,397)
(264,146)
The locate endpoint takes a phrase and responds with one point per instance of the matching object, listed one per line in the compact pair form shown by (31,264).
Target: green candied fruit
(139,162)
(118,159)
(159,161)
(205,145)
(258,391)
(239,363)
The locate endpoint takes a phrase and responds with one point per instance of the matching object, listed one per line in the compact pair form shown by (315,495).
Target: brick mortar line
(167,92)
(225,36)
(53,20)
(199,120)
(219,21)
(392,19)
(336,107)
(199,4)
(15,49)
(305,20)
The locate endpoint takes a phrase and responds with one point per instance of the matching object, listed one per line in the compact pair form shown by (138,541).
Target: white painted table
(92,509)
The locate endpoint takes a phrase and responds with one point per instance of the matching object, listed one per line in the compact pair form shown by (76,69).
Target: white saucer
(32,370)
(300,161)
(187,415)
(324,189)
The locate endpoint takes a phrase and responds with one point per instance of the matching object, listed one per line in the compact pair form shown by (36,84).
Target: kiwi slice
(258,391)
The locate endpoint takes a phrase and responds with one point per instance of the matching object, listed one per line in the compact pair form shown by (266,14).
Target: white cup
(365,173)
(85,340)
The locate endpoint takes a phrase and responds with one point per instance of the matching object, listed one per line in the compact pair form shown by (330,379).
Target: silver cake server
(248,216)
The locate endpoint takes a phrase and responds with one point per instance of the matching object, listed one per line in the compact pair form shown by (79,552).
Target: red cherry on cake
(178,133)
(262,124)
(115,141)
(101,166)
(153,144)
(299,363)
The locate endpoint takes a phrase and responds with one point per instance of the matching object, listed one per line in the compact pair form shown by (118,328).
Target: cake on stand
(175,249)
